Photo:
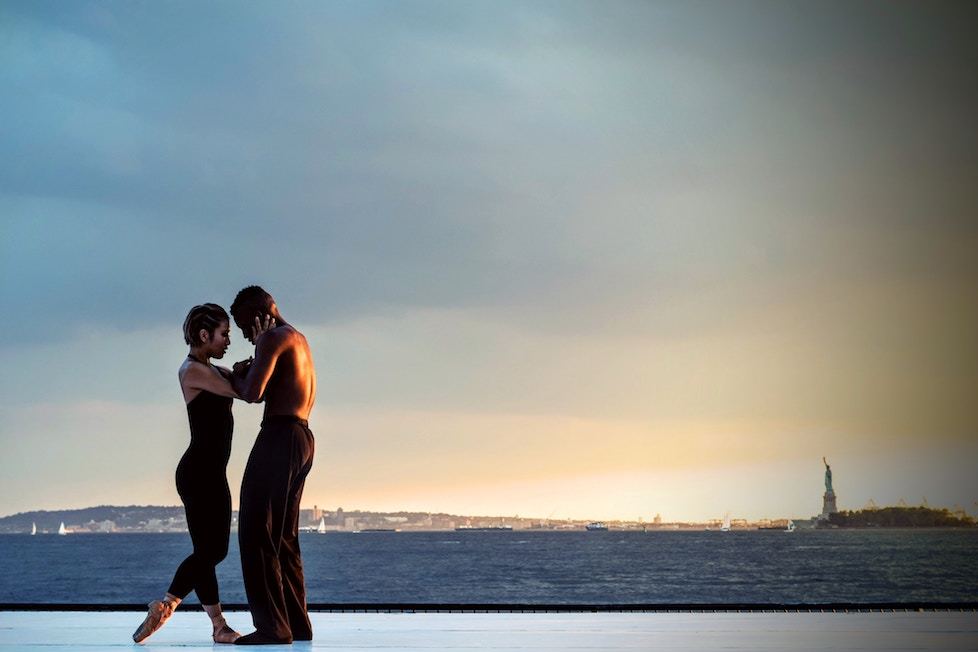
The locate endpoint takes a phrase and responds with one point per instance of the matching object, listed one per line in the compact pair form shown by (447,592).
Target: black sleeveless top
(211,425)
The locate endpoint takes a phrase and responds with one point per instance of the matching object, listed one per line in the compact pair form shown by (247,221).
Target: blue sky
(601,258)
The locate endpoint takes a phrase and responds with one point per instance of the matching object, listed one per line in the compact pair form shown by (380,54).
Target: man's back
(291,390)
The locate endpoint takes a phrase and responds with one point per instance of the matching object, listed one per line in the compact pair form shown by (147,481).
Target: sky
(555,259)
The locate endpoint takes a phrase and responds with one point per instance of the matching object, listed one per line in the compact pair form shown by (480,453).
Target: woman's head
(207,327)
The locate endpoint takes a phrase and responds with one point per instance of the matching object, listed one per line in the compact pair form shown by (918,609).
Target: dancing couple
(281,375)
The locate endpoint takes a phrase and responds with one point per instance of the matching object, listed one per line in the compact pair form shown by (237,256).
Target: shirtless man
(281,375)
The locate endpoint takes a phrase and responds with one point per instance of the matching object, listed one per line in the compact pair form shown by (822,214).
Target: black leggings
(208,511)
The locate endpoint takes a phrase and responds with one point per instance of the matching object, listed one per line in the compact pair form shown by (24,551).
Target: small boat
(61,529)
(33,529)
(596,526)
(322,525)
(726,523)
(791,527)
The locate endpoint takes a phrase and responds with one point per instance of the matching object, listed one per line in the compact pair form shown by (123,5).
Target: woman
(201,474)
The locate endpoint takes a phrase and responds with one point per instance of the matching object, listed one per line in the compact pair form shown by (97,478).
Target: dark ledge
(833,607)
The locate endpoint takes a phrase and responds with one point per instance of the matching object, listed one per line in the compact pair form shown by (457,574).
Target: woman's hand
(262,326)
(241,367)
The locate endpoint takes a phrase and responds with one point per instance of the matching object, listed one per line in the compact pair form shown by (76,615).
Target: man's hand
(262,325)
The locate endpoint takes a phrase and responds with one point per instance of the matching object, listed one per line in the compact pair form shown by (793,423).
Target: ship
(596,526)
(488,528)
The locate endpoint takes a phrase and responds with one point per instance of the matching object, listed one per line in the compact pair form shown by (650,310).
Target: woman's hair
(207,316)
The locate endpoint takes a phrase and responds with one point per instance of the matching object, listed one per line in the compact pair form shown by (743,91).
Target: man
(281,375)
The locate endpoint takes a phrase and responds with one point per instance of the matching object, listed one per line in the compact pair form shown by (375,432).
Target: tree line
(901,517)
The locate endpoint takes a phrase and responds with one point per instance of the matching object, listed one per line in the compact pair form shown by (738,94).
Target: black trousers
(268,528)
(208,509)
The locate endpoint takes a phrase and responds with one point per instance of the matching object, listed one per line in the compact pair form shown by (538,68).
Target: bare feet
(159,612)
(225,635)
(256,638)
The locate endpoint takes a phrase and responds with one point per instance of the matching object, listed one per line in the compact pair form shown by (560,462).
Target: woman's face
(217,343)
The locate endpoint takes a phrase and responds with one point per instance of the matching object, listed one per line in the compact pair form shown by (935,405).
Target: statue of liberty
(828,500)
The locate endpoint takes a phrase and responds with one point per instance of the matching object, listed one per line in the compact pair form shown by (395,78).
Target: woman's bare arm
(199,378)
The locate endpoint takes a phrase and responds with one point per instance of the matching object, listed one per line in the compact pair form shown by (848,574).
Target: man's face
(247,326)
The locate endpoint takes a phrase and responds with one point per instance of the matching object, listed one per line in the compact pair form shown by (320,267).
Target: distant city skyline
(594,260)
(171,518)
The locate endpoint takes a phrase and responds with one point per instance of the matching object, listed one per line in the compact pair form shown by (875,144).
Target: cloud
(744,214)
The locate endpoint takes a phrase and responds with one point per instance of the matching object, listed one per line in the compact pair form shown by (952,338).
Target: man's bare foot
(225,635)
(159,612)
(256,638)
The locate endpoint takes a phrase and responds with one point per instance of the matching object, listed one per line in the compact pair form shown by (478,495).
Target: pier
(730,630)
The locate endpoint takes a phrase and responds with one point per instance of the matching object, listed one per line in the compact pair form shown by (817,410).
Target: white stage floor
(58,631)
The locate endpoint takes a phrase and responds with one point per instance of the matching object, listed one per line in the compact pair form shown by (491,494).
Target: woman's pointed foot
(226,635)
(159,612)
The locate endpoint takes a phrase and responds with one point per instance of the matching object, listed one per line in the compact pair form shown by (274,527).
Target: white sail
(33,529)
(322,525)
(726,523)
(61,528)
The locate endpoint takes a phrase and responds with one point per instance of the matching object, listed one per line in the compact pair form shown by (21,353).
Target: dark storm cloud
(553,161)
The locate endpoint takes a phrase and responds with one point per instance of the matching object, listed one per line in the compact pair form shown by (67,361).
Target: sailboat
(61,529)
(322,525)
(33,529)
(726,523)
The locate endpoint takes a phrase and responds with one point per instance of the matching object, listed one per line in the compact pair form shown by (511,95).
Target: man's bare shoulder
(284,337)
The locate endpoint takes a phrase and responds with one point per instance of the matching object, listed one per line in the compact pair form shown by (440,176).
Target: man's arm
(251,386)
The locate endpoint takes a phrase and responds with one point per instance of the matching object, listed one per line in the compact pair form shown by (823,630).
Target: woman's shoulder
(191,369)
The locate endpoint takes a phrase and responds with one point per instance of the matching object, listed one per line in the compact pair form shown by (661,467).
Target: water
(526,567)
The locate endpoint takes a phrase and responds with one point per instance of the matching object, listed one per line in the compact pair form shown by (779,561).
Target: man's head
(252,302)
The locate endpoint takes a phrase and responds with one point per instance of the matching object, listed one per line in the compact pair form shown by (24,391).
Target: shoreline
(685,529)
